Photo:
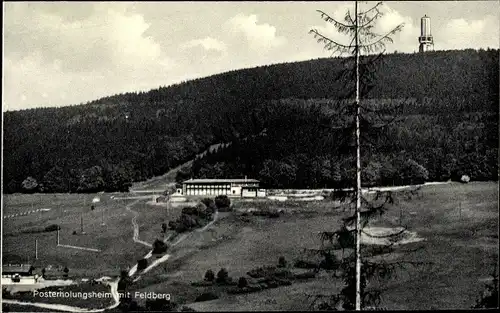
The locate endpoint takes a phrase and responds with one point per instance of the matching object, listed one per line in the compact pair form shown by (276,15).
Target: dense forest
(276,122)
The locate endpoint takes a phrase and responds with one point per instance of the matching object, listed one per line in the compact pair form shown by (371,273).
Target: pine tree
(358,118)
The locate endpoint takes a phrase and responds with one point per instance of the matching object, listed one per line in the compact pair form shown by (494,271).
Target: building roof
(16,268)
(213,180)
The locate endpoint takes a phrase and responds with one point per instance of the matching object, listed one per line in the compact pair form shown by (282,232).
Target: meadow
(459,223)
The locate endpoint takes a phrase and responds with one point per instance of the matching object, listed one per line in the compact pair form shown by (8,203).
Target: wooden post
(81,223)
(57,235)
(36,249)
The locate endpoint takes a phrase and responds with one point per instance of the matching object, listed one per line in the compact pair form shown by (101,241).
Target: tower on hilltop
(425,39)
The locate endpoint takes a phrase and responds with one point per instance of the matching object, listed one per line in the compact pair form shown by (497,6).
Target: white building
(214,187)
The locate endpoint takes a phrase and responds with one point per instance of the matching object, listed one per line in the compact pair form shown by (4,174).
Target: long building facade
(214,187)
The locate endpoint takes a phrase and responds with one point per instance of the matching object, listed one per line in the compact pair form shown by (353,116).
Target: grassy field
(459,224)
(113,239)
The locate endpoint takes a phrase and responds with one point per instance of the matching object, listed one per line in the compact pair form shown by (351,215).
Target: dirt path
(135,226)
(167,256)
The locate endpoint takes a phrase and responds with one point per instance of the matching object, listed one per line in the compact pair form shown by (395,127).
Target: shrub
(242,282)
(188,221)
(209,275)
(74,232)
(160,305)
(465,179)
(210,204)
(163,227)
(305,264)
(53,227)
(206,296)
(413,173)
(142,264)
(201,208)
(222,202)
(222,276)
(273,214)
(190,210)
(66,271)
(180,228)
(305,275)
(172,225)
(281,261)
(159,247)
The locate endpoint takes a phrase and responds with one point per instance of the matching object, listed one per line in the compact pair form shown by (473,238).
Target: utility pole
(358,168)
(81,223)
(58,236)
(36,249)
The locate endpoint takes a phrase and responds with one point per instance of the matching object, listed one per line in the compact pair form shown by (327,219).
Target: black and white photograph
(162,156)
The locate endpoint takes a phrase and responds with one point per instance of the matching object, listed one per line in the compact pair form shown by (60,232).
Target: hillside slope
(107,143)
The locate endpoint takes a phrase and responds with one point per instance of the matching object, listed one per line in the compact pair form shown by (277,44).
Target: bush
(305,264)
(190,210)
(242,282)
(142,264)
(210,204)
(222,276)
(207,296)
(413,173)
(305,275)
(201,209)
(74,232)
(222,202)
(209,275)
(281,261)
(465,179)
(66,271)
(159,247)
(188,221)
(53,227)
(163,227)
(172,225)
(180,228)
(160,305)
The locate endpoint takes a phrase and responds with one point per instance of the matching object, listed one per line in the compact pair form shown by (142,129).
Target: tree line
(281,123)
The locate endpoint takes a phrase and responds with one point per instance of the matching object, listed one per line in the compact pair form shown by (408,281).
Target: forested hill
(272,115)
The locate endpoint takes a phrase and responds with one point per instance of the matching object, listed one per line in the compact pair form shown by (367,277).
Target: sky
(68,53)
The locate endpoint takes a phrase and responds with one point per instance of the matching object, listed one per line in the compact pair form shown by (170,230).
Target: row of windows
(208,186)
(208,192)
